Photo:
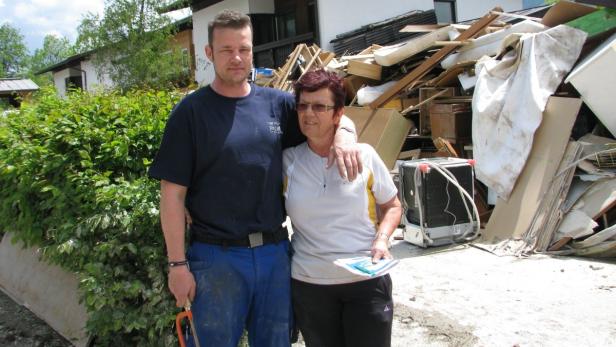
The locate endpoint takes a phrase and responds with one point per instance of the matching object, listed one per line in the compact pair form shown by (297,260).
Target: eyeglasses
(317,108)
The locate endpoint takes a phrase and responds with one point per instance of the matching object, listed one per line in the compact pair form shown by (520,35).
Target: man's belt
(250,241)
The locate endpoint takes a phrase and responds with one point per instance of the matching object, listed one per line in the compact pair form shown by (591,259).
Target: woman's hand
(380,249)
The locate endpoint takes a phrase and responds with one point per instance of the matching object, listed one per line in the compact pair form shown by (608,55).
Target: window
(285,25)
(445,11)
(185,60)
(73,82)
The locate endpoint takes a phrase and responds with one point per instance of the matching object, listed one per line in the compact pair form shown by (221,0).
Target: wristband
(178,263)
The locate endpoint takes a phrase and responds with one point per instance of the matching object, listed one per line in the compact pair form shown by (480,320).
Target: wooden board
(512,218)
(424,109)
(364,69)
(429,64)
(391,55)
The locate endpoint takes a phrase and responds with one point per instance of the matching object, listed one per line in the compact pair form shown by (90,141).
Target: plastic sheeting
(510,96)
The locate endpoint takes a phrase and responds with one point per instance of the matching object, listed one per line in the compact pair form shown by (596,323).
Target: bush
(73,181)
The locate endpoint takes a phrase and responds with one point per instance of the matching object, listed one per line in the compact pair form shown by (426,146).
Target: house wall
(261,6)
(93,80)
(337,17)
(58,80)
(184,39)
(205,71)
(471,9)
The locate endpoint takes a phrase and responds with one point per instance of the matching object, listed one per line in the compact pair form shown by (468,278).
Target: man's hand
(380,250)
(347,154)
(181,284)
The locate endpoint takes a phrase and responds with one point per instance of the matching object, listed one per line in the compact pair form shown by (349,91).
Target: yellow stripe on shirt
(371,200)
(285,182)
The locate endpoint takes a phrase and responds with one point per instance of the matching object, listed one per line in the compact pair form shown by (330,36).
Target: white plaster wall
(261,6)
(471,9)
(59,81)
(204,73)
(337,16)
(93,79)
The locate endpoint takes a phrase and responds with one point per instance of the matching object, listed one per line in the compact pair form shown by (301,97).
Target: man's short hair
(227,19)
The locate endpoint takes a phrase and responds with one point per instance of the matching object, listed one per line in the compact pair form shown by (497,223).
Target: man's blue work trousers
(240,287)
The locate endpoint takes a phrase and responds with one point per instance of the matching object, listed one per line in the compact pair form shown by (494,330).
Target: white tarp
(510,96)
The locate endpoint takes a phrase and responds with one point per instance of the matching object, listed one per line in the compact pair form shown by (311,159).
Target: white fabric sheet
(510,96)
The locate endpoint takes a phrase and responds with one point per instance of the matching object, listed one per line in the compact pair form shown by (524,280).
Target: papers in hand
(363,266)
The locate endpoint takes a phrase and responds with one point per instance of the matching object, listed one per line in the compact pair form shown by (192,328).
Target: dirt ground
(464,296)
(20,328)
(458,296)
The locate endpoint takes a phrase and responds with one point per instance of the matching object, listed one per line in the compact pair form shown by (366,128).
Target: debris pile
(528,95)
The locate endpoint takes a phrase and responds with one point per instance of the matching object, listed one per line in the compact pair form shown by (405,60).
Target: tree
(55,49)
(13,52)
(132,44)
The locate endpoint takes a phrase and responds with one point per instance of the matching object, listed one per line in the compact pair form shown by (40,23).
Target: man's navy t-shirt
(228,152)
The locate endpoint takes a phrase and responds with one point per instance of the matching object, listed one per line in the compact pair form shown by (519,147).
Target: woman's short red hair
(315,80)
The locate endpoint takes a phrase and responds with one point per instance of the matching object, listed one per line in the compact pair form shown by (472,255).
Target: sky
(37,18)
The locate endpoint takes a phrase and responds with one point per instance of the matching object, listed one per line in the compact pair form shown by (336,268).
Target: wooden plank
(390,55)
(421,28)
(597,238)
(312,61)
(357,57)
(429,64)
(602,250)
(425,101)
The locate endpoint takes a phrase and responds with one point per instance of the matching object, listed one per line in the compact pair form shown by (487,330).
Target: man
(221,158)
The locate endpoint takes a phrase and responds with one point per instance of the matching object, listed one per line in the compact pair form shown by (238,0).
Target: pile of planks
(564,200)
(302,59)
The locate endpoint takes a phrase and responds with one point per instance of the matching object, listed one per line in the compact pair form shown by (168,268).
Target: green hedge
(73,181)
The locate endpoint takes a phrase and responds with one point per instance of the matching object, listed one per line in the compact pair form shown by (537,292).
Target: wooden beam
(429,64)
(421,28)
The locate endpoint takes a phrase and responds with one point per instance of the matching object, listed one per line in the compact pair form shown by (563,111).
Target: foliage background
(73,181)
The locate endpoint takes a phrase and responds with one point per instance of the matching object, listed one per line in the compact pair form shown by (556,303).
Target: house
(79,71)
(279,25)
(14,89)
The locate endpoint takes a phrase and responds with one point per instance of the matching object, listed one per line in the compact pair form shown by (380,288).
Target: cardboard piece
(565,11)
(512,218)
(384,129)
(598,199)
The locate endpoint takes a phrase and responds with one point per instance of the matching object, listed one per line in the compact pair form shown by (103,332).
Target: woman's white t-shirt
(332,218)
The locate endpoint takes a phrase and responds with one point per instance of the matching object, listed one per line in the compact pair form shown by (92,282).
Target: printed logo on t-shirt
(274,127)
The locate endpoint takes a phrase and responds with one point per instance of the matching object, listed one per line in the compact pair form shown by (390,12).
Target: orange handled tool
(187,313)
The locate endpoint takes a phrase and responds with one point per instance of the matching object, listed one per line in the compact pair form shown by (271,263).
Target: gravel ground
(21,328)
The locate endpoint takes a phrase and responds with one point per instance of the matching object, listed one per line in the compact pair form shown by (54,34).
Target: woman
(335,219)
